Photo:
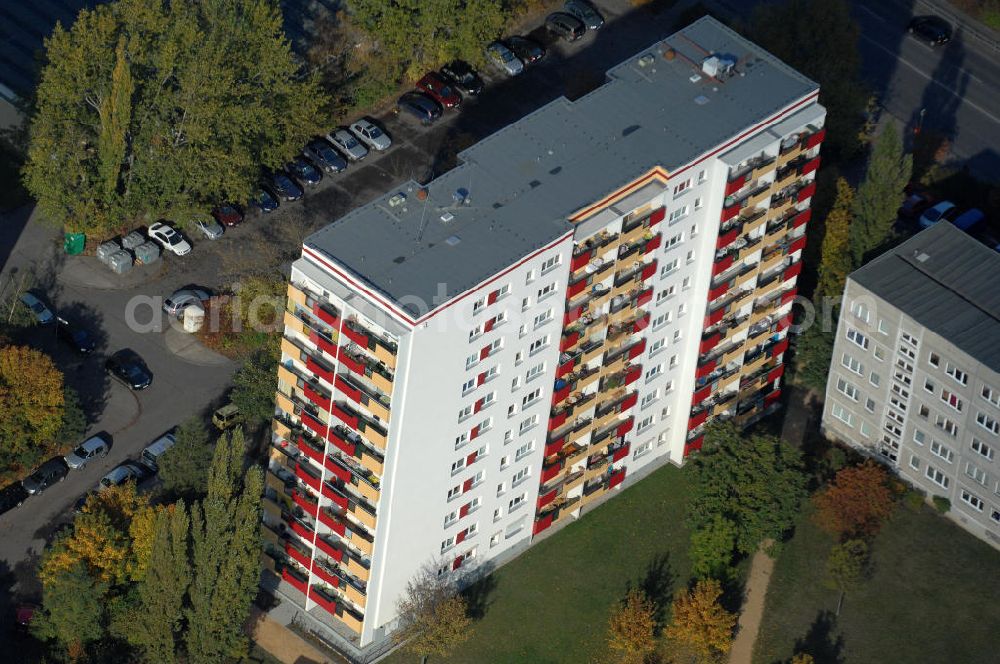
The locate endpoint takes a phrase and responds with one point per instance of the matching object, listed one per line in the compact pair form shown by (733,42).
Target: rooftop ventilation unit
(397,199)
(718,66)
(646,60)
(447,216)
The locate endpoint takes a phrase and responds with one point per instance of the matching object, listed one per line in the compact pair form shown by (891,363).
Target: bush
(941,504)
(914,500)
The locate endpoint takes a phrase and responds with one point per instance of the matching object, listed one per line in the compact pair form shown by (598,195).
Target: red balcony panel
(697,420)
(785,320)
(797,245)
(568,340)
(705,369)
(329,549)
(471,459)
(772,397)
(352,364)
(727,238)
(694,445)
(298,555)
(708,344)
(548,472)
(701,394)
(806,191)
(543,523)
(492,297)
(310,451)
(464,511)
(779,347)
(324,345)
(342,444)
(557,421)
(555,446)
(736,184)
(640,324)
(633,374)
(580,260)
(621,453)
(561,393)
(788,297)
(293,579)
(328,605)
(325,316)
(480,379)
(723,264)
(328,520)
(488,327)
(314,395)
(461,536)
(637,349)
(318,370)
(344,416)
(719,291)
(576,288)
(338,471)
(358,337)
(457,562)
(547,498)
(644,297)
(810,166)
(715,316)
(802,217)
(657,216)
(466,485)
(625,427)
(478,406)
(307,477)
(565,368)
(353,393)
(775,373)
(629,402)
(792,271)
(815,139)
(484,352)
(326,576)
(302,531)
(653,243)
(616,478)
(474,433)
(311,507)
(339,499)
(730,212)
(572,315)
(649,270)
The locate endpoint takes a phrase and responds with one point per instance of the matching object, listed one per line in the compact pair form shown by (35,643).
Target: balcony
(593,297)
(364,395)
(362,365)
(575,404)
(383,349)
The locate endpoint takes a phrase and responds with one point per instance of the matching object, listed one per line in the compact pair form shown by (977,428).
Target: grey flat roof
(524,181)
(947,282)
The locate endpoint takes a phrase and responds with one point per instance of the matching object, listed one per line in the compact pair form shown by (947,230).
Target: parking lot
(190,380)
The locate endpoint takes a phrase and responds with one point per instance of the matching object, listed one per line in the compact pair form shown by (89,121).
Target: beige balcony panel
(743,279)
(369,492)
(753,366)
(362,545)
(284,403)
(371,463)
(788,156)
(364,517)
(382,383)
(350,621)
(382,354)
(353,594)
(589,380)
(732,355)
(762,170)
(378,409)
(280,429)
(293,322)
(295,295)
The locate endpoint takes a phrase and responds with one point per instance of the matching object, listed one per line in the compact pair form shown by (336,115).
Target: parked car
(931,29)
(304,172)
(128,471)
(945,210)
(324,157)
(969,219)
(38,308)
(419,106)
(75,336)
(128,367)
(371,135)
(915,204)
(461,76)
(228,215)
(527,50)
(438,89)
(183,298)
(170,239)
(226,417)
(349,146)
(12,496)
(584,11)
(151,455)
(504,59)
(266,199)
(565,25)
(284,187)
(92,448)
(52,471)
(23,615)
(210,228)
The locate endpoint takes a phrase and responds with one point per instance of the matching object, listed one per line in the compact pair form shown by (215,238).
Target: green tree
(184,467)
(835,260)
(156,625)
(254,387)
(74,420)
(845,567)
(819,38)
(158,108)
(755,481)
(434,618)
(225,556)
(72,611)
(880,194)
(712,548)
(815,348)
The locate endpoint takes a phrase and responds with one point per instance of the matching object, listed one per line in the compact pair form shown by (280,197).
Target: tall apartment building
(915,376)
(470,363)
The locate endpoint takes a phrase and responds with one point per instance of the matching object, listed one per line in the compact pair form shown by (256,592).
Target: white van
(155,450)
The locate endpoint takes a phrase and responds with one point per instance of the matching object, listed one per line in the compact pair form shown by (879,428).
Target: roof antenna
(423,217)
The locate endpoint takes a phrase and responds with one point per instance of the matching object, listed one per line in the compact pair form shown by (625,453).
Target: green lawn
(550,605)
(932,597)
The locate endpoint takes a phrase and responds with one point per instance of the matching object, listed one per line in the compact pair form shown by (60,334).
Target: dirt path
(753,607)
(284,644)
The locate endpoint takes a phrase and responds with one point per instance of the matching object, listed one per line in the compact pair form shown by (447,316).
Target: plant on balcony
(612,382)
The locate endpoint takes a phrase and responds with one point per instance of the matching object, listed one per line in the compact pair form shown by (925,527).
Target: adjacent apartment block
(469,363)
(915,377)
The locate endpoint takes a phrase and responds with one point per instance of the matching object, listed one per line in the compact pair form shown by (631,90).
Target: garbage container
(107,249)
(132,240)
(73,243)
(120,262)
(194,318)
(146,253)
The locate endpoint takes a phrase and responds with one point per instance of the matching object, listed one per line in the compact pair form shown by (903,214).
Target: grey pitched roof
(947,282)
(526,179)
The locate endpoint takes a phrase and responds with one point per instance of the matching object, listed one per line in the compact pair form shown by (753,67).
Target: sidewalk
(753,607)
(283,643)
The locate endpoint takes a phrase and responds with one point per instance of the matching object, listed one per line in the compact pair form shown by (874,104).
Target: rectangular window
(847,389)
(525,303)
(914,462)
(919,437)
(690,256)
(538,344)
(852,364)
(450,519)
(936,476)
(957,374)
(542,319)
(662,320)
(464,413)
(666,293)
(471,361)
(882,327)
(702,176)
(946,425)
(678,214)
(461,440)
(860,311)
(468,386)
(674,241)
(858,338)
(982,449)
(656,346)
(951,399)
(654,372)
(528,423)
(977,473)
(972,500)
(668,268)
(536,370)
(516,502)
(939,450)
(908,338)
(874,379)
(988,423)
(478,305)
(520,476)
(457,466)
(447,544)
(528,278)
(546,291)
(531,397)
(698,202)
(929,385)
(524,450)
(991,395)
(934,360)
(645,423)
(682,187)
(649,399)
(550,263)
(842,414)
(907,351)
(454,491)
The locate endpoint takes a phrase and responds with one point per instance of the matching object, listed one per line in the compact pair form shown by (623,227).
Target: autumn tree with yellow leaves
(701,629)
(31,407)
(632,629)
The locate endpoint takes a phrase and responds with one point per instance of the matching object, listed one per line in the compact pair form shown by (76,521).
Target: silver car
(212,229)
(89,449)
(371,135)
(126,472)
(38,309)
(184,298)
(504,59)
(344,141)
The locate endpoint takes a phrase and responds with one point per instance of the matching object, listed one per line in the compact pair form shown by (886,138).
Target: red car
(435,86)
(227,215)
